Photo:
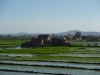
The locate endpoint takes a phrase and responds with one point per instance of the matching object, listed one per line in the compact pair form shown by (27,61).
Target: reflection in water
(15,48)
(58,64)
(14,55)
(19,73)
(50,70)
(76,55)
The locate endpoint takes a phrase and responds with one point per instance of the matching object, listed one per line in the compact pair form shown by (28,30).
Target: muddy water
(50,70)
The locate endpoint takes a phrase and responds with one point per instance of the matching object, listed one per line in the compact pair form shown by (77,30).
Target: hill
(71,32)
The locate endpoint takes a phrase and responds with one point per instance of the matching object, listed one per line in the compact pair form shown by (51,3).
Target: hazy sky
(49,16)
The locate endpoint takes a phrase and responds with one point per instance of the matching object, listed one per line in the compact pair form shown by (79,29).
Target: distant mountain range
(72,32)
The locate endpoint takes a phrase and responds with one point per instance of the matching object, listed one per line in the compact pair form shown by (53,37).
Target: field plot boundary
(50,66)
(6,70)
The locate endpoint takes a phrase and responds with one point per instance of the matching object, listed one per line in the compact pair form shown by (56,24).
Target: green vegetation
(60,58)
(43,53)
(12,42)
(93,39)
(8,43)
(40,50)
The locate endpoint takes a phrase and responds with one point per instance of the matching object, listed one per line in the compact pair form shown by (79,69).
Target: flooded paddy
(61,54)
(53,64)
(15,55)
(50,61)
(18,47)
(50,70)
(19,73)
(76,55)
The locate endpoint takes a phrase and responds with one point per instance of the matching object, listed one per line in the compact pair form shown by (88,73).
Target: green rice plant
(12,42)
(44,50)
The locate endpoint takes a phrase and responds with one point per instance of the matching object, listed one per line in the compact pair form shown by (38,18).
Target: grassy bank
(12,42)
(9,43)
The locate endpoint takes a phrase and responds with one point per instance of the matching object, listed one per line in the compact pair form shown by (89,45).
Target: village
(47,40)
